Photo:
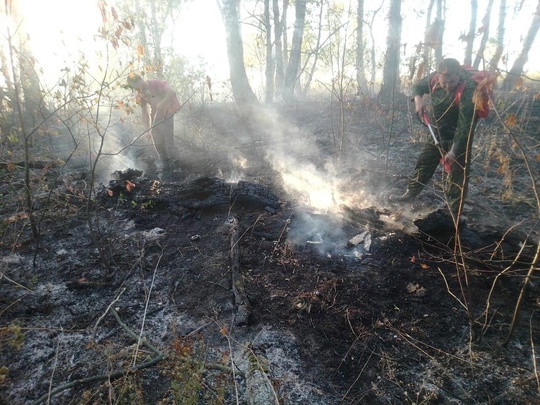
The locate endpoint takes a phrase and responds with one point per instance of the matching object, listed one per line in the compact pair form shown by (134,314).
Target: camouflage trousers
(455,183)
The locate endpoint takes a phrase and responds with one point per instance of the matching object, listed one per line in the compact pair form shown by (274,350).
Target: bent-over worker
(159,118)
(455,122)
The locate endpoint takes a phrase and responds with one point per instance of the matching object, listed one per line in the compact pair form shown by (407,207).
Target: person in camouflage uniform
(455,122)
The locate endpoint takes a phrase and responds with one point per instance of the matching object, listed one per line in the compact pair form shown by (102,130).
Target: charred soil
(270,268)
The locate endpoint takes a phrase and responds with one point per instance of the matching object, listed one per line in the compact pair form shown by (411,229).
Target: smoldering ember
(263,270)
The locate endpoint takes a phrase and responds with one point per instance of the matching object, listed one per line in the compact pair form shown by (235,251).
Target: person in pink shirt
(159,118)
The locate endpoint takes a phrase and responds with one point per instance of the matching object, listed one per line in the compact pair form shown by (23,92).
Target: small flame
(318,192)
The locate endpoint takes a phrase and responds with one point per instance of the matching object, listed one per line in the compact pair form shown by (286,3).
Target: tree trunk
(429,40)
(151,19)
(31,96)
(291,75)
(373,59)
(316,53)
(494,63)
(519,63)
(278,35)
(285,41)
(391,80)
(361,80)
(141,24)
(485,36)
(469,39)
(441,4)
(270,64)
(34,107)
(157,31)
(243,94)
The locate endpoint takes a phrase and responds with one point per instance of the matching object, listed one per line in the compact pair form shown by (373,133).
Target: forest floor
(269,268)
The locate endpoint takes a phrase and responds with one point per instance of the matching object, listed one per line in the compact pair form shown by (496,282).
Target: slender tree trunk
(391,79)
(429,40)
(243,94)
(141,24)
(30,94)
(441,16)
(5,72)
(34,107)
(316,53)
(156,35)
(26,137)
(494,63)
(270,64)
(285,36)
(469,39)
(291,74)
(485,36)
(278,47)
(519,63)
(373,60)
(361,80)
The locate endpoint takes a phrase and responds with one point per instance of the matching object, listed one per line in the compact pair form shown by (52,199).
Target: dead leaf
(511,120)
(416,290)
(15,218)
(413,259)
(424,266)
(129,186)
(140,51)
(114,14)
(110,192)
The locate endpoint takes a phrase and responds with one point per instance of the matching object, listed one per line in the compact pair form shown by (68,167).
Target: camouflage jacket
(455,120)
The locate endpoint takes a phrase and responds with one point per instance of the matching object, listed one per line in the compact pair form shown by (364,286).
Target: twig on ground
(450,291)
(146,310)
(3,275)
(515,317)
(53,370)
(533,355)
(105,313)
(243,308)
(231,356)
(416,344)
(259,388)
(358,376)
(500,274)
(287,223)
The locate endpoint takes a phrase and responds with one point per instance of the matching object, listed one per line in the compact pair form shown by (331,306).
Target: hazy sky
(60,29)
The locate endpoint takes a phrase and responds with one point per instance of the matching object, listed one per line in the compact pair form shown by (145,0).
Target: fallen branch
(259,387)
(243,308)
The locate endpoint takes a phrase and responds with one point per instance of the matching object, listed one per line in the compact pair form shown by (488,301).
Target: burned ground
(270,267)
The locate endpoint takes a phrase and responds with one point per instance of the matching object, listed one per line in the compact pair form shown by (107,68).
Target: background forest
(263,50)
(308,99)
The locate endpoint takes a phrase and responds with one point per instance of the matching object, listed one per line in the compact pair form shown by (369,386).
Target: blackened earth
(346,298)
